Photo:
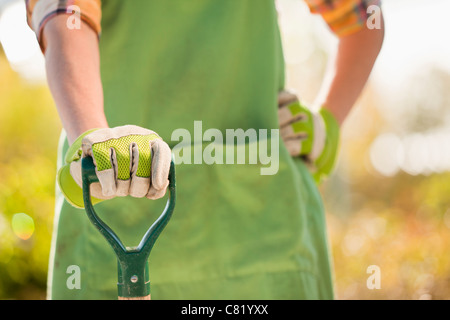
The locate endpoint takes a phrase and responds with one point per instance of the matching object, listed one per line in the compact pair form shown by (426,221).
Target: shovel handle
(133,273)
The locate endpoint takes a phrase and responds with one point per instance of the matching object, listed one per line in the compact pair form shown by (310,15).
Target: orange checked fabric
(39,12)
(344,17)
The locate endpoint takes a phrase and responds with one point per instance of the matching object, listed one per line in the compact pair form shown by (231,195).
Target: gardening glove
(313,136)
(129,160)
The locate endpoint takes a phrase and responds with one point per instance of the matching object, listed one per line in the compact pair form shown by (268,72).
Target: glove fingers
(286,118)
(155,194)
(124,183)
(161,158)
(107,178)
(96,188)
(287,133)
(107,158)
(292,140)
(139,185)
(294,146)
(118,168)
(286,97)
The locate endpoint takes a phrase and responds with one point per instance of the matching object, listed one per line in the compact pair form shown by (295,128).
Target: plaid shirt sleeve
(39,12)
(344,17)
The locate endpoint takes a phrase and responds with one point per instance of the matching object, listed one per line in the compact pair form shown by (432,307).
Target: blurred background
(387,204)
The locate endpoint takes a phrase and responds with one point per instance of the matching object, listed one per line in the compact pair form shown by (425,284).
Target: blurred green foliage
(29,133)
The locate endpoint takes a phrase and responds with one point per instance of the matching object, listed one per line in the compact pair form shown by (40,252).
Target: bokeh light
(415,154)
(22,225)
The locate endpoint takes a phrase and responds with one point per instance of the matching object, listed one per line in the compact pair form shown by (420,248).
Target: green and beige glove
(129,160)
(313,136)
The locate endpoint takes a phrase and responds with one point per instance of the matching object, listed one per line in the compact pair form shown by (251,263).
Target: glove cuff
(74,152)
(67,185)
(319,133)
(327,159)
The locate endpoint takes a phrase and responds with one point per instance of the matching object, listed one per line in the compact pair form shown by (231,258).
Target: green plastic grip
(133,276)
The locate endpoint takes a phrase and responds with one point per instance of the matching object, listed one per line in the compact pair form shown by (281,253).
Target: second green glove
(313,136)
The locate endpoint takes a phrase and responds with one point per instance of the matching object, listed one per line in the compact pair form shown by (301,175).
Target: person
(129,73)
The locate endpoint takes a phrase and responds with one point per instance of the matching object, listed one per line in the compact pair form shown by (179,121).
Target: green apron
(235,234)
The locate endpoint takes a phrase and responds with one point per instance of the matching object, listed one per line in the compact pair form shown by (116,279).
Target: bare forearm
(73,73)
(349,71)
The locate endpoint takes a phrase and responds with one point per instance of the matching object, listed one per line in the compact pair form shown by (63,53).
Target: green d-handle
(133,277)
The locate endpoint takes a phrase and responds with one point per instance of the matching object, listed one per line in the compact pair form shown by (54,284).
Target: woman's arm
(73,75)
(349,70)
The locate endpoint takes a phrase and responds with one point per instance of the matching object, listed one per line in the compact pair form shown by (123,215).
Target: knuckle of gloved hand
(286,97)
